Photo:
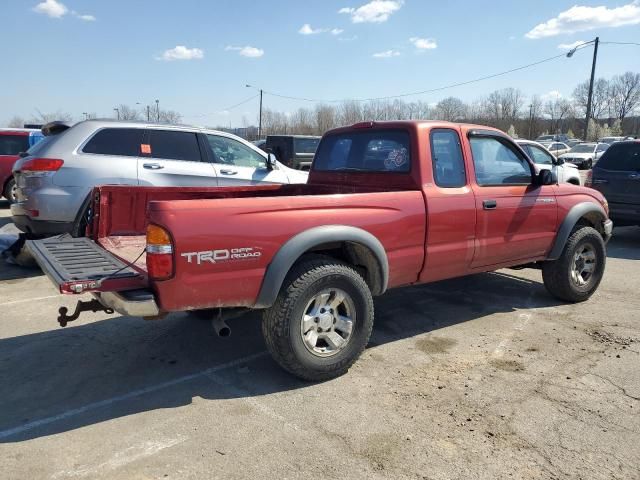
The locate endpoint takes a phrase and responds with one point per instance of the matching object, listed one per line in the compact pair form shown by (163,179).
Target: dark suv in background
(617,177)
(295,151)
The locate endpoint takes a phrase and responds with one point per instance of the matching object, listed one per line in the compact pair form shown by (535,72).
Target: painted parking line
(25,300)
(127,396)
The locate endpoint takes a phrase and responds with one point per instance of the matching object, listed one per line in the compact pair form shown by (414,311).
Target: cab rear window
(123,142)
(13,144)
(365,151)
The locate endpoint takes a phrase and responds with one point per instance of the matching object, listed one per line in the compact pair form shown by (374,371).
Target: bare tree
(558,110)
(600,97)
(450,109)
(16,122)
(624,94)
(325,116)
(41,117)
(125,112)
(170,117)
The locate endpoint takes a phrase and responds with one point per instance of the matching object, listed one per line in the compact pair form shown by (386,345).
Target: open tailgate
(79,265)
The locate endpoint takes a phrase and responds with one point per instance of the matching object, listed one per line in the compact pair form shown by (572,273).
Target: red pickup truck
(387,204)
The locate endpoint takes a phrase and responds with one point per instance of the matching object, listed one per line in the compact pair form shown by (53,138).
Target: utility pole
(593,74)
(148,113)
(530,119)
(260,117)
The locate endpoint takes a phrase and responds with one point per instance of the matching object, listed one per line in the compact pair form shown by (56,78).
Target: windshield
(365,151)
(545,138)
(584,148)
(306,145)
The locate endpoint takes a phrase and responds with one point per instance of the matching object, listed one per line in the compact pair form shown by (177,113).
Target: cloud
(87,18)
(180,52)
(348,39)
(423,43)
(307,30)
(248,51)
(570,46)
(580,18)
(376,11)
(51,8)
(387,54)
(551,95)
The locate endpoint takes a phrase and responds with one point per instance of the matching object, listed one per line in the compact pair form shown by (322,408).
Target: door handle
(489,204)
(229,172)
(152,166)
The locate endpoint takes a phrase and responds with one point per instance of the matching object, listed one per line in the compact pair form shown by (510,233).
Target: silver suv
(56,177)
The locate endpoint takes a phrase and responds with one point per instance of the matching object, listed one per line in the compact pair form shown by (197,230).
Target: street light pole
(117,110)
(158,110)
(593,73)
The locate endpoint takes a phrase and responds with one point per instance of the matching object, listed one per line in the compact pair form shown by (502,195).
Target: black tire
(281,324)
(8,191)
(589,164)
(557,274)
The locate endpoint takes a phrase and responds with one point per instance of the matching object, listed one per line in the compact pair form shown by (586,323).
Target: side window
(540,156)
(496,163)
(231,152)
(602,148)
(446,154)
(174,145)
(123,142)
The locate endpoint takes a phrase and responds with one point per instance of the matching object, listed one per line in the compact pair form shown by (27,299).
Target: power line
(226,109)
(445,87)
(621,43)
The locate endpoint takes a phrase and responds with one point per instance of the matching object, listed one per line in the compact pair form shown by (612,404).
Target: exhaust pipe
(220,326)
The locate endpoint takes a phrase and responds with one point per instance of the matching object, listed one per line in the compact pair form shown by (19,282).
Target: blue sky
(89,56)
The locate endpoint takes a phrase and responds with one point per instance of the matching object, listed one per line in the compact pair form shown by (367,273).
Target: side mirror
(271,162)
(559,161)
(547,177)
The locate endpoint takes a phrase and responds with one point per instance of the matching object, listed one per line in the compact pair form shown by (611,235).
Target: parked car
(295,151)
(13,141)
(617,177)
(558,137)
(387,205)
(611,140)
(572,142)
(585,155)
(564,172)
(55,179)
(556,148)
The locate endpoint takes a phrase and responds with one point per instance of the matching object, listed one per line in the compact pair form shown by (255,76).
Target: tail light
(159,253)
(588,182)
(41,166)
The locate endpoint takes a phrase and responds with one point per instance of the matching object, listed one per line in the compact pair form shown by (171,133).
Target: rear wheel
(10,191)
(321,320)
(575,276)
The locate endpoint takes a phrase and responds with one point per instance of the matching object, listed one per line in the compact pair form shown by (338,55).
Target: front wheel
(321,321)
(575,276)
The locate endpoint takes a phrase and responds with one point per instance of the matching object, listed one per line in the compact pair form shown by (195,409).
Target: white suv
(544,160)
(56,177)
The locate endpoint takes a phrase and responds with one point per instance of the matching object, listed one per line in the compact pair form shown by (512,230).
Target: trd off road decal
(224,255)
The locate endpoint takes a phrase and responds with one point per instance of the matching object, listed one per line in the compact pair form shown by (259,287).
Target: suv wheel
(10,191)
(321,320)
(575,276)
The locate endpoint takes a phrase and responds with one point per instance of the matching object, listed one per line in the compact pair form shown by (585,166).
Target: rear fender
(295,247)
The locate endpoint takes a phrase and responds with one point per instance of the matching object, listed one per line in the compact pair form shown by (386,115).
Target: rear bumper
(132,303)
(41,227)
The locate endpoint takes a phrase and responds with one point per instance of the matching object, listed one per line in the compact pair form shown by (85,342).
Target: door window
(540,156)
(621,157)
(496,163)
(123,142)
(174,145)
(228,151)
(446,154)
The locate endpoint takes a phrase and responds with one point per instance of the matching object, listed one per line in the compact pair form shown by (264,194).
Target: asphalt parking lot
(480,377)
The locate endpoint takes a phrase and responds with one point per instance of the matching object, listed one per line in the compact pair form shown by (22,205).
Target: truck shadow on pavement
(64,379)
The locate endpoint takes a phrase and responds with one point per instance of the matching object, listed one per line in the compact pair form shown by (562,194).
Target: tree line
(614,103)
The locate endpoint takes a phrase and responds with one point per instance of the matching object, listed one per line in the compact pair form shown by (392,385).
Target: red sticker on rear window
(145,148)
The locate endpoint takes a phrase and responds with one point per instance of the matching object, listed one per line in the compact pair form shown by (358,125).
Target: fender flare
(575,214)
(296,246)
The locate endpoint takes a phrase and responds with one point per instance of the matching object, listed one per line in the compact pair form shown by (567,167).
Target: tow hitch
(90,306)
